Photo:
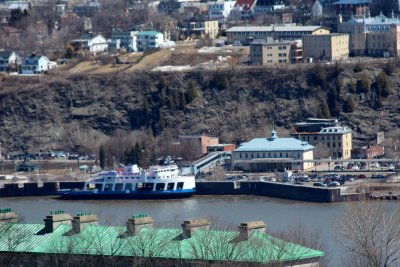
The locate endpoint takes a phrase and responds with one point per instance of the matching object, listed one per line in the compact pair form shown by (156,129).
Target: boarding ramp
(209,162)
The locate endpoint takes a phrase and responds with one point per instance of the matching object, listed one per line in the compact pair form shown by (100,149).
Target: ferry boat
(158,182)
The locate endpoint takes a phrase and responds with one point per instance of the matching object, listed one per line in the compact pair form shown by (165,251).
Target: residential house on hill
(220,10)
(147,40)
(127,39)
(35,64)
(199,27)
(243,9)
(9,61)
(268,6)
(90,42)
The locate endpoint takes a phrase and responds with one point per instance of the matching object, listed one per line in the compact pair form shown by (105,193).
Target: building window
(240,155)
(328,144)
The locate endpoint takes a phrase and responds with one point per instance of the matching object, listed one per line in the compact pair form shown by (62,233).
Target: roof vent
(55,219)
(135,224)
(81,221)
(247,228)
(191,226)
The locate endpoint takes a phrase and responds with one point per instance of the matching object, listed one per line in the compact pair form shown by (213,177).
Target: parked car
(338,168)
(334,184)
(319,184)
(362,176)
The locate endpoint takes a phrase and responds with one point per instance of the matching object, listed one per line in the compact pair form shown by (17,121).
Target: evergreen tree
(364,85)
(350,104)
(137,153)
(324,110)
(358,67)
(161,122)
(162,83)
(182,101)
(151,136)
(352,87)
(102,157)
(191,93)
(387,89)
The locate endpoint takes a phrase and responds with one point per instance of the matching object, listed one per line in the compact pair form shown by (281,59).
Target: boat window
(170,186)
(98,186)
(118,187)
(160,186)
(128,186)
(179,186)
(148,186)
(108,187)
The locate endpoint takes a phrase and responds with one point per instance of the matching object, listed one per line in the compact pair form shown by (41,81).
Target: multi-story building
(349,8)
(200,27)
(127,39)
(372,36)
(147,40)
(220,10)
(326,47)
(265,53)
(243,9)
(268,6)
(273,153)
(290,32)
(197,144)
(329,139)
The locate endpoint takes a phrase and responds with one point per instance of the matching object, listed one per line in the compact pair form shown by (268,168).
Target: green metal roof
(210,245)
(148,33)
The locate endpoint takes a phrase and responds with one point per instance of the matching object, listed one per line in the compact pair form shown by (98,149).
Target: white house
(89,42)
(147,40)
(35,64)
(220,10)
(127,39)
(9,61)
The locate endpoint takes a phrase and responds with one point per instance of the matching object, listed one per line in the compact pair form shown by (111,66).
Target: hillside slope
(60,110)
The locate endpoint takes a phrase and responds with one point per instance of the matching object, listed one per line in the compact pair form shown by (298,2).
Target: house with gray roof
(9,61)
(273,153)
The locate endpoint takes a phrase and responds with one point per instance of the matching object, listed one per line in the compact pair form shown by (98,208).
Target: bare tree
(369,233)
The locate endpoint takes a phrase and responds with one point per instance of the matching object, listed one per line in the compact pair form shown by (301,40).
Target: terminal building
(329,138)
(273,153)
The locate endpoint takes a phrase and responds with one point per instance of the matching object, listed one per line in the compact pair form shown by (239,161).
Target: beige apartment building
(372,36)
(329,139)
(326,47)
(200,27)
(264,53)
(285,32)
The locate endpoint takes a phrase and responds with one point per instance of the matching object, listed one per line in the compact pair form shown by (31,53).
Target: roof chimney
(7,216)
(247,228)
(80,221)
(191,226)
(135,224)
(52,221)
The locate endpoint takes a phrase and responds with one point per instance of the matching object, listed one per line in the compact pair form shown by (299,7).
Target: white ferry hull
(90,194)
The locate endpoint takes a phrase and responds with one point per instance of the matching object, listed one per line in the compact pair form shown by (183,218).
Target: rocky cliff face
(65,111)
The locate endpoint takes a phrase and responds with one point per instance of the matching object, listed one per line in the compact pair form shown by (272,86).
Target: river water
(222,210)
